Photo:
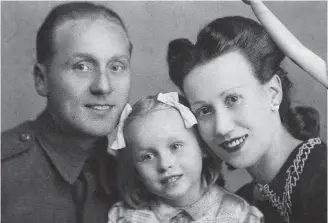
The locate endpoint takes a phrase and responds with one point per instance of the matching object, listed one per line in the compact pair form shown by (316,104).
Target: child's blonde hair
(130,185)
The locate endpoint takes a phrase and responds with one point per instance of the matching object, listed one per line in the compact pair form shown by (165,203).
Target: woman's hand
(251,2)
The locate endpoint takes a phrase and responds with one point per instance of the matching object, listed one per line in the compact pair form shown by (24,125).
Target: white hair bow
(119,142)
(172,99)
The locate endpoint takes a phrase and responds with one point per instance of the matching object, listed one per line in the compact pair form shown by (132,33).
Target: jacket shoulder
(16,140)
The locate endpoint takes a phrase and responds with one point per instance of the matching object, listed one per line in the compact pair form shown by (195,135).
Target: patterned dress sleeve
(312,202)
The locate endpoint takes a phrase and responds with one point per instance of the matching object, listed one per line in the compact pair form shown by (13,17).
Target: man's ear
(40,79)
(275,92)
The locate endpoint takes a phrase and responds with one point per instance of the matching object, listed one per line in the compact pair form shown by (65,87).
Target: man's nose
(101,84)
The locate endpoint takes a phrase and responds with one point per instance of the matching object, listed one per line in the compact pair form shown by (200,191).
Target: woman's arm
(287,42)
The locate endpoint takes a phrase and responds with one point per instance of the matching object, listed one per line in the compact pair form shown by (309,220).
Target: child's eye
(83,66)
(205,110)
(231,100)
(176,146)
(146,157)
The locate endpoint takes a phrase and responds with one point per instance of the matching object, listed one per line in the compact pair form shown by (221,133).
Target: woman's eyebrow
(229,89)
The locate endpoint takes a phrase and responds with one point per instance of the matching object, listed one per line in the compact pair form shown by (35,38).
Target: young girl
(292,48)
(166,172)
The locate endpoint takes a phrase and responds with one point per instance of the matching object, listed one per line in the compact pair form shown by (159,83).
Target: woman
(241,98)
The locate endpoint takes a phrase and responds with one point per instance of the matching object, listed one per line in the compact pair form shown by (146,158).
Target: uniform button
(24,137)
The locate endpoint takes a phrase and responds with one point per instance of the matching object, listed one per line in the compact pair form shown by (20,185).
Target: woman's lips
(234,144)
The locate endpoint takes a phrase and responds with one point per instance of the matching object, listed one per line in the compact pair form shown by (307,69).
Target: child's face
(167,156)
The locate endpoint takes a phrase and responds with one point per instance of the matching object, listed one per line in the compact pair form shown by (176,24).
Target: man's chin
(98,131)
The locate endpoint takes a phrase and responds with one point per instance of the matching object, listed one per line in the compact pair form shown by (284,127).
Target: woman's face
(233,109)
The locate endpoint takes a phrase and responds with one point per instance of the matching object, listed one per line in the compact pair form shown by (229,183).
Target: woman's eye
(203,111)
(117,67)
(176,146)
(231,100)
(82,67)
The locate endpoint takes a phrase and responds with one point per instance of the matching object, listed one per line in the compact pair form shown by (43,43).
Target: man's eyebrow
(90,56)
(120,57)
(84,56)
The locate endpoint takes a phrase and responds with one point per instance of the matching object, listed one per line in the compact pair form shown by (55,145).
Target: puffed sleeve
(254,215)
(120,213)
(238,210)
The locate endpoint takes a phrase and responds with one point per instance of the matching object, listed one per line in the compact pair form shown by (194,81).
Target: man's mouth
(99,107)
(234,144)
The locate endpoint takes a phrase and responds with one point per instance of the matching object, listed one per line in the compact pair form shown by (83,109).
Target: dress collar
(211,197)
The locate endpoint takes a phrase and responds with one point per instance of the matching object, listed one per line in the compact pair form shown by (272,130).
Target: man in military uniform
(56,168)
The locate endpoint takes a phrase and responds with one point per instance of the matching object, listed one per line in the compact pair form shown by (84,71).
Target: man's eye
(231,100)
(82,67)
(117,67)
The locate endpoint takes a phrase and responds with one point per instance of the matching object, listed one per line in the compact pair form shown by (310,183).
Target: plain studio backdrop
(151,26)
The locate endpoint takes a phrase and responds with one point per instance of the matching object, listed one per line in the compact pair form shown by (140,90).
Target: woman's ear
(40,79)
(275,92)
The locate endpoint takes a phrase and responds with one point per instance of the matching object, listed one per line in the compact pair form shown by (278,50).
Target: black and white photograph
(164,111)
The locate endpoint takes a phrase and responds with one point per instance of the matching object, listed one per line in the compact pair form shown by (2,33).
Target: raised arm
(289,44)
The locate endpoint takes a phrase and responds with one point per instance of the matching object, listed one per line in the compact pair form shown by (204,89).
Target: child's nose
(166,162)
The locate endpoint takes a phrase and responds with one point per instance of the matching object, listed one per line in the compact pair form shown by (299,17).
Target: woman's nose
(224,122)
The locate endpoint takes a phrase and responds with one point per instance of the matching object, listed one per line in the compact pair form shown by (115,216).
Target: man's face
(88,81)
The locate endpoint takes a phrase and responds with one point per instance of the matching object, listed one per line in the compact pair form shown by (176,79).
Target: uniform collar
(66,154)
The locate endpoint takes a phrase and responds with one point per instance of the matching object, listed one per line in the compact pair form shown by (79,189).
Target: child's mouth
(167,181)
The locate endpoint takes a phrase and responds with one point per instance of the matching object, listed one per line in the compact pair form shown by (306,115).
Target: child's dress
(216,205)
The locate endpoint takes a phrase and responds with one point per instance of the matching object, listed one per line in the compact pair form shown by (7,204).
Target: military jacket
(41,169)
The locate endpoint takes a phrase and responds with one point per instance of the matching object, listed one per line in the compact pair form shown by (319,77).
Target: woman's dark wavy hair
(70,11)
(241,34)
(130,185)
